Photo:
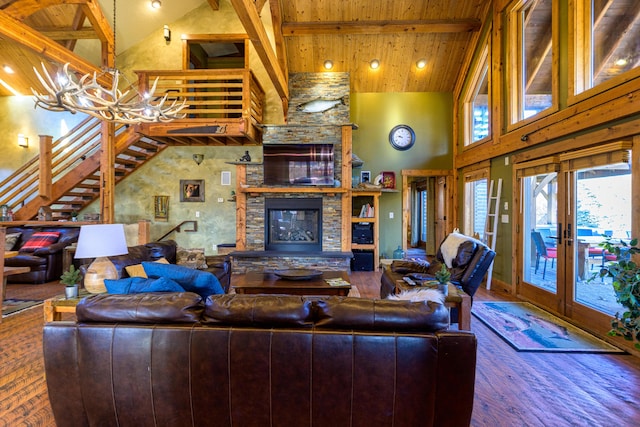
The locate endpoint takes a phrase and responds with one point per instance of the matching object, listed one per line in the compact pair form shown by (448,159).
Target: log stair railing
(75,170)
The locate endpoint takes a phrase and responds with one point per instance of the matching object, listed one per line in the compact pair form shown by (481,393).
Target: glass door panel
(539,222)
(602,208)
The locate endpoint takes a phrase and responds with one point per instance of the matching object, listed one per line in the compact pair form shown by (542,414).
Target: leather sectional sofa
(219,265)
(45,262)
(258,360)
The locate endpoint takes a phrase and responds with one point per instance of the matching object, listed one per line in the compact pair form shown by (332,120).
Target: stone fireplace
(288,226)
(293,224)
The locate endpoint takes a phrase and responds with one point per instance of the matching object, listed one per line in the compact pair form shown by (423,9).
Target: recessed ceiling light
(374,64)
(421,63)
(328,64)
(621,62)
(156,4)
(7,69)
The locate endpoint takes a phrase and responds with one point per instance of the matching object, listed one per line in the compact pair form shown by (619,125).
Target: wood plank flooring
(512,388)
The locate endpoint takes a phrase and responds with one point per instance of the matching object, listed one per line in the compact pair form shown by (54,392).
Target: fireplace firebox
(293,225)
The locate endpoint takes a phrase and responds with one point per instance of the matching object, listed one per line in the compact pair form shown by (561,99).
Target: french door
(568,205)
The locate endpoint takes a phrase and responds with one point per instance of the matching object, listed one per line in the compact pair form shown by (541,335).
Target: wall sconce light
(421,63)
(166,33)
(328,64)
(156,4)
(198,158)
(374,64)
(23,141)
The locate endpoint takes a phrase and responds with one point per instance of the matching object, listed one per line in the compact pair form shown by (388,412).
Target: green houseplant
(442,276)
(70,279)
(626,285)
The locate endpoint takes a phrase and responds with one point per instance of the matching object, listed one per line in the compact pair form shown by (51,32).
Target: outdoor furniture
(543,252)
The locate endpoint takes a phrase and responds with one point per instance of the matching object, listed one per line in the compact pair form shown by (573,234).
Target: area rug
(528,328)
(13,306)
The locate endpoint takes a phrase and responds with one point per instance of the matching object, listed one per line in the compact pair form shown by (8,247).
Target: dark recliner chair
(468,268)
(45,263)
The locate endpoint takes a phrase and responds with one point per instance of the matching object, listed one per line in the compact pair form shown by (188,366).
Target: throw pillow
(10,240)
(201,282)
(137,270)
(192,258)
(39,240)
(136,285)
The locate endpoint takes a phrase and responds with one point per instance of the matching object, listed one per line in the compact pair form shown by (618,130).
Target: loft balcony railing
(232,99)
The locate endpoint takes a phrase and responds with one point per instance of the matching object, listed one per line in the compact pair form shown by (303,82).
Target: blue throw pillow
(135,285)
(202,283)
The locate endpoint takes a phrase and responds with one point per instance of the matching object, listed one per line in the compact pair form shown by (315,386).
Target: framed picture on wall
(161,208)
(365,176)
(192,190)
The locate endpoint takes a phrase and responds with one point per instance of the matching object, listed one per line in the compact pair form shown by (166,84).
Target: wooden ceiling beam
(21,9)
(292,29)
(281,49)
(215,4)
(31,39)
(84,33)
(252,24)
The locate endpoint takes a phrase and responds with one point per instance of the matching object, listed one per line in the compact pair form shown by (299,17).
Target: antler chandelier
(68,93)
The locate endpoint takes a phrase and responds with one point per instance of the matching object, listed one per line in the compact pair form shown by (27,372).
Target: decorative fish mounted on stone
(320,105)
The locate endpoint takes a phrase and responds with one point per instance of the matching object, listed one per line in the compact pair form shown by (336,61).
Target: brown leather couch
(45,263)
(258,360)
(220,265)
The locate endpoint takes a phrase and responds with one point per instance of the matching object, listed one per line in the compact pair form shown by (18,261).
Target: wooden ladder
(491,223)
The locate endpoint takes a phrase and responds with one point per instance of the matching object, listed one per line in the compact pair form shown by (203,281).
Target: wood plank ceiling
(397,33)
(351,34)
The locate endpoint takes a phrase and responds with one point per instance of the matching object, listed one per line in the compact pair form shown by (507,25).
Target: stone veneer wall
(303,128)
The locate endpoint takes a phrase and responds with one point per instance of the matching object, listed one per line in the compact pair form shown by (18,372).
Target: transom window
(532,48)
(606,43)
(477,109)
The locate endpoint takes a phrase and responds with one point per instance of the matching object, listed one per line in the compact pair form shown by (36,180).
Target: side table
(54,307)
(456,298)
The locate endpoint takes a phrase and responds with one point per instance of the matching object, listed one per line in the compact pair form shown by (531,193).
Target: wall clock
(402,137)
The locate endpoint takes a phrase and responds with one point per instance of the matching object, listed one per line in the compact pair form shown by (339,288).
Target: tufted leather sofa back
(256,360)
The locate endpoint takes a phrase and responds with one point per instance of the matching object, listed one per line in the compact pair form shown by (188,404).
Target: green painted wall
(430,116)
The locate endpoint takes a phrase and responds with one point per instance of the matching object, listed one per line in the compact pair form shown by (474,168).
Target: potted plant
(443,276)
(70,279)
(626,285)
(74,216)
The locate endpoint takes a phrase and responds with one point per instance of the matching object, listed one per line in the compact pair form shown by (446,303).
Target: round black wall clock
(402,137)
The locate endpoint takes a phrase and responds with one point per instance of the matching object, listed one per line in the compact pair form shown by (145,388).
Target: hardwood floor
(512,388)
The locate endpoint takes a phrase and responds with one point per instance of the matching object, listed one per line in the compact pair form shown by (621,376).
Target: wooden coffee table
(269,283)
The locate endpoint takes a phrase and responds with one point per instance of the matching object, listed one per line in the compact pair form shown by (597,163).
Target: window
(475,202)
(605,41)
(531,50)
(477,111)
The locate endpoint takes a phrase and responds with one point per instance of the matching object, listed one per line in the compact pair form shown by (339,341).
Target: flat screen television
(298,164)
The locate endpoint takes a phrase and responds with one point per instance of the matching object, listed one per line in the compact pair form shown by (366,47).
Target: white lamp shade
(101,240)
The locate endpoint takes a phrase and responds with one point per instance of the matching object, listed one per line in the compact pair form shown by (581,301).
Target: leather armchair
(468,267)
(46,262)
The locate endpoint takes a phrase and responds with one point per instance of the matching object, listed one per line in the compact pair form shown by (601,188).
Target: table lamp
(100,241)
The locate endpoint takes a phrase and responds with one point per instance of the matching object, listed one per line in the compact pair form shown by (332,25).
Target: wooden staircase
(75,170)
(224,108)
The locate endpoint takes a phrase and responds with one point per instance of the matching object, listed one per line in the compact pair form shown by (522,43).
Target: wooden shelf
(358,198)
(316,190)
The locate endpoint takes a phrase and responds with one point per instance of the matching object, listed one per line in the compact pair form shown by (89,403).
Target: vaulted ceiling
(350,34)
